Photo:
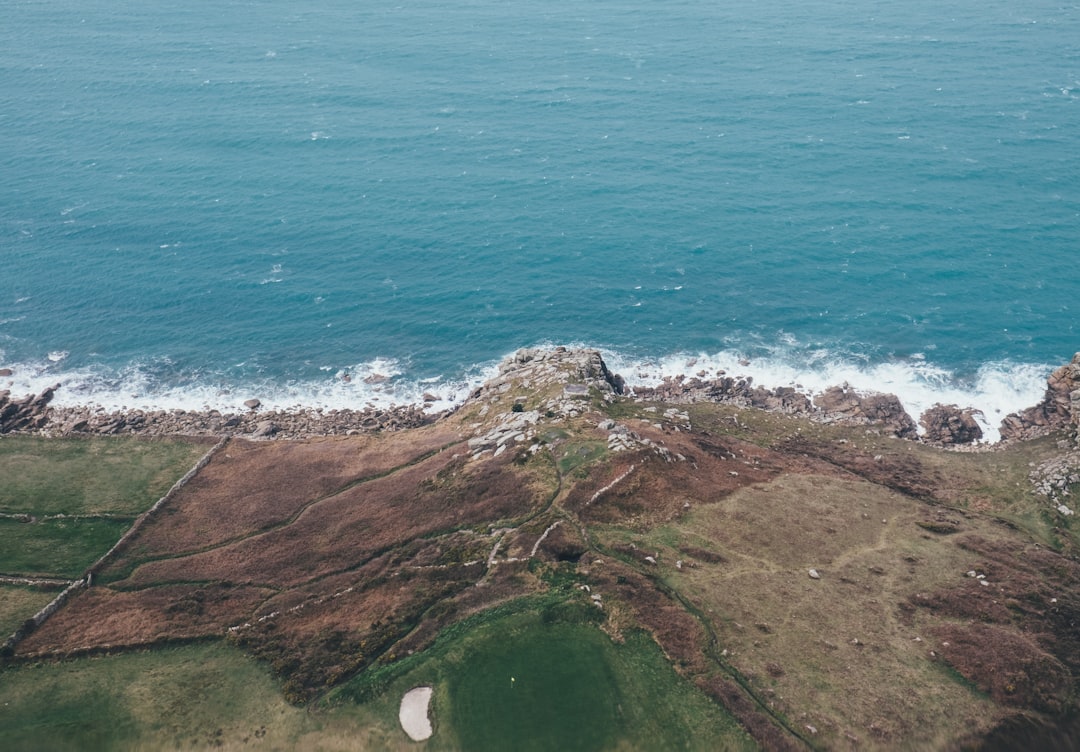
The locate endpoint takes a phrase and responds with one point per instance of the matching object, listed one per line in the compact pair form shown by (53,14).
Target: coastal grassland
(200,696)
(101,475)
(989,480)
(831,653)
(537,673)
(18,603)
(62,547)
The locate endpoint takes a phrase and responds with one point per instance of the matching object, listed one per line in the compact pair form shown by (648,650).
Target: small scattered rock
(252,404)
(814,574)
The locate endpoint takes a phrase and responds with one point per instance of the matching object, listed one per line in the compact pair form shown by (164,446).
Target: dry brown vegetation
(813,579)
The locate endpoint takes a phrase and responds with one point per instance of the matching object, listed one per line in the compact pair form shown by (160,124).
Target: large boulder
(1059,408)
(842,404)
(29,413)
(949,424)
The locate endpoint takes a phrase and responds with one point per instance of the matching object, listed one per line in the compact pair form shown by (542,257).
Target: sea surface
(201,202)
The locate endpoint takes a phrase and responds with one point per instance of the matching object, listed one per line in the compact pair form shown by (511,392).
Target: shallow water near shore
(347,205)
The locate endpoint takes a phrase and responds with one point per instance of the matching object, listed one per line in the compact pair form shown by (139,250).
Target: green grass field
(108,482)
(19,603)
(574,689)
(102,475)
(58,547)
(198,696)
(515,678)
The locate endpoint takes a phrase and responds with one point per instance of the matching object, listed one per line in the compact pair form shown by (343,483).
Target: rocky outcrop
(949,424)
(26,414)
(1059,408)
(842,404)
(537,366)
(279,424)
(727,389)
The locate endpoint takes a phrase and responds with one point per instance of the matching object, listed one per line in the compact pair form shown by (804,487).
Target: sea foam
(994,389)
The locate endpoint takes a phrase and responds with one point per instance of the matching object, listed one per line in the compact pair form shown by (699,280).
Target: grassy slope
(573,689)
(90,476)
(18,603)
(56,548)
(107,482)
(577,691)
(200,696)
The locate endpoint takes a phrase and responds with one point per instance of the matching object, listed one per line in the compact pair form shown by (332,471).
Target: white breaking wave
(995,390)
(378,383)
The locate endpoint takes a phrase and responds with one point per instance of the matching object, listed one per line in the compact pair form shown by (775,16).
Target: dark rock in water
(5,372)
(252,404)
(376,378)
(844,404)
(949,424)
(1059,408)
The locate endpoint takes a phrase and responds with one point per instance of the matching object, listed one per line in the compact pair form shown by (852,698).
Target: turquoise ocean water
(205,201)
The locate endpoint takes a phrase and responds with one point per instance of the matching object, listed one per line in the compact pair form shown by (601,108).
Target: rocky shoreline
(34,415)
(946,425)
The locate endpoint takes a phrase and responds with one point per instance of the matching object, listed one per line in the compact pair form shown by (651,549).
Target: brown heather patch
(102,618)
(324,642)
(341,532)
(252,486)
(1009,666)
(905,473)
(676,630)
(1032,591)
(657,491)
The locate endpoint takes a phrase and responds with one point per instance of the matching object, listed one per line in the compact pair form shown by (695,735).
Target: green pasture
(18,603)
(58,547)
(101,475)
(196,696)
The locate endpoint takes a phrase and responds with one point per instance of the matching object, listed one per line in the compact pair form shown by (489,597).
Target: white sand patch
(414,713)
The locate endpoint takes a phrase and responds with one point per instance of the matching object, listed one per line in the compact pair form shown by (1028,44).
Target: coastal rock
(265,428)
(949,424)
(842,404)
(252,404)
(729,390)
(4,372)
(1059,408)
(577,371)
(26,414)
